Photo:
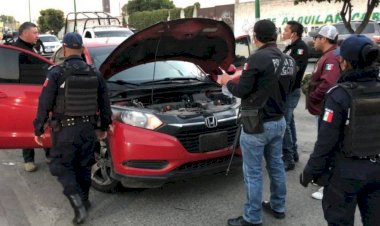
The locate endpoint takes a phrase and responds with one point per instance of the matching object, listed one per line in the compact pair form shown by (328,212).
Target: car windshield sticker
(328,116)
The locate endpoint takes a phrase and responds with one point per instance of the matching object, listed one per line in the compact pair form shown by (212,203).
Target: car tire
(101,170)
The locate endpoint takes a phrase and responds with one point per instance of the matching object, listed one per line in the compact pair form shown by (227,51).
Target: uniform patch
(63,85)
(329,67)
(300,52)
(328,116)
(46,82)
(245,67)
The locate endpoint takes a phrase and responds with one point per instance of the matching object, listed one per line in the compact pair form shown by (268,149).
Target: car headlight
(140,119)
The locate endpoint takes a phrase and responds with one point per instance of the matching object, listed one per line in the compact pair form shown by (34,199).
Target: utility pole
(30,17)
(257,10)
(75,16)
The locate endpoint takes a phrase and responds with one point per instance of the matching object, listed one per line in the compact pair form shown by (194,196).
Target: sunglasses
(317,36)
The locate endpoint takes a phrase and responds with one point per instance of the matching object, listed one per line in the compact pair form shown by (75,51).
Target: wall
(311,14)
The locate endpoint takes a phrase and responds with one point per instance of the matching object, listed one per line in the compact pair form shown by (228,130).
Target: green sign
(325,19)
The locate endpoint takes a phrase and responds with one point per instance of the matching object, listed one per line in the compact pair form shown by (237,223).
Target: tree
(51,20)
(147,5)
(346,12)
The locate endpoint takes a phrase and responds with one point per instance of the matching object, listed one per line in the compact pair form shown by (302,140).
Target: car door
(22,74)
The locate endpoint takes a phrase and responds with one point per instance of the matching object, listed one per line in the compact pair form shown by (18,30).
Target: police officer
(266,79)
(299,51)
(28,36)
(74,92)
(346,154)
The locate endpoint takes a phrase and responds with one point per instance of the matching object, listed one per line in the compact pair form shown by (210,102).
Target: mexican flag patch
(328,116)
(245,67)
(329,67)
(300,51)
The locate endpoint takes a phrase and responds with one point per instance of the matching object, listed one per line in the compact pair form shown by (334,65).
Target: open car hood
(205,42)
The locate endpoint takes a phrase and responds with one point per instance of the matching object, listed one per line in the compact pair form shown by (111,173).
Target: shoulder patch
(245,67)
(300,52)
(328,115)
(329,67)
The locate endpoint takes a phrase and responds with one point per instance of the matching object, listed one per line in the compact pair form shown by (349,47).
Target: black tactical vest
(362,130)
(77,92)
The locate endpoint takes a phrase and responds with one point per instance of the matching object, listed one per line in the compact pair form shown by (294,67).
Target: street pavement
(35,199)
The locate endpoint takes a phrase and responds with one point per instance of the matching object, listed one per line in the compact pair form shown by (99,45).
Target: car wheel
(101,170)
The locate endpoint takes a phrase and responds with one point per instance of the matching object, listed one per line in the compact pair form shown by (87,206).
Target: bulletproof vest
(77,92)
(362,129)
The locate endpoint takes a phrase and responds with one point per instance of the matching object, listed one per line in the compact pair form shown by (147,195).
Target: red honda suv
(171,120)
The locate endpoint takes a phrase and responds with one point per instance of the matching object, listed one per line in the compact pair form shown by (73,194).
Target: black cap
(265,31)
(73,40)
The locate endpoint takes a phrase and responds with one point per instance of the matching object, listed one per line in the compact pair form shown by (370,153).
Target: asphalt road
(36,199)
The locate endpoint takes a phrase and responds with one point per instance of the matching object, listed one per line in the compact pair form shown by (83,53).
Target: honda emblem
(211,122)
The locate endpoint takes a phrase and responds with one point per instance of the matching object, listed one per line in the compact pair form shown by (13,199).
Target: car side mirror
(231,69)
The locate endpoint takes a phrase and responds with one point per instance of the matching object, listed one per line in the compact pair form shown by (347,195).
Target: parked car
(171,120)
(50,42)
(372,31)
(107,31)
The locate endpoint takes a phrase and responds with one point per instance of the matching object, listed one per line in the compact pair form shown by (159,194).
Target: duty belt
(78,120)
(372,158)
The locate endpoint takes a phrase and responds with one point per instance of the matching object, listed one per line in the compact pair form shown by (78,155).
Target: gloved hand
(305,179)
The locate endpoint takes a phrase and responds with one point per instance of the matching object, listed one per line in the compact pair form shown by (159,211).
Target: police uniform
(74,102)
(349,180)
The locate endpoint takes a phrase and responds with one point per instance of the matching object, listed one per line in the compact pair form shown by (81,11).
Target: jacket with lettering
(259,78)
(325,76)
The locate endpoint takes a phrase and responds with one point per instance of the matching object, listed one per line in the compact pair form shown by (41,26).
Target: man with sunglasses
(324,76)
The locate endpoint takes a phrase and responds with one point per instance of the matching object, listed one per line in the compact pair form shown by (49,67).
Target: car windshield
(342,30)
(99,54)
(49,39)
(160,70)
(116,33)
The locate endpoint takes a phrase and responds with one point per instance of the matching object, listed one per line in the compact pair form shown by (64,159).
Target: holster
(55,125)
(252,121)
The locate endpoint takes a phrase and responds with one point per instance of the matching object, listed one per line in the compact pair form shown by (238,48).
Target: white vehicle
(50,42)
(106,31)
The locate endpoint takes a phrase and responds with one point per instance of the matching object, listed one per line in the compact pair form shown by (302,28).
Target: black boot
(79,209)
(85,200)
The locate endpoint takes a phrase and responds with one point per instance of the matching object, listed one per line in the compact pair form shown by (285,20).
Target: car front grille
(221,161)
(189,138)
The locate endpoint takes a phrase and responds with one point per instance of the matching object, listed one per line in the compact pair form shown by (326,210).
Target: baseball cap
(359,50)
(265,30)
(328,31)
(73,40)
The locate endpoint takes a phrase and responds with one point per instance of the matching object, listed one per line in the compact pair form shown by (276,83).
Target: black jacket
(300,53)
(258,79)
(49,93)
(327,156)
(24,45)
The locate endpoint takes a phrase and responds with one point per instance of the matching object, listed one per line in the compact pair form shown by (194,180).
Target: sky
(20,8)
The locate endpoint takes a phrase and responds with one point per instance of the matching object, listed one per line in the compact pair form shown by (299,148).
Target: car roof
(46,35)
(97,42)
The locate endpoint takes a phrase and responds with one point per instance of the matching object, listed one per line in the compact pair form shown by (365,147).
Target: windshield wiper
(122,82)
(170,80)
